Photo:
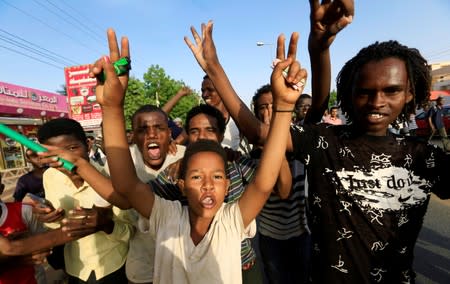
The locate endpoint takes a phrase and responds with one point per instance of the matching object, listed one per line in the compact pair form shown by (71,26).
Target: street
(432,253)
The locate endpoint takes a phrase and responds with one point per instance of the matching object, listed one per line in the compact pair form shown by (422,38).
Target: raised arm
(284,182)
(284,98)
(110,96)
(204,52)
(172,102)
(326,20)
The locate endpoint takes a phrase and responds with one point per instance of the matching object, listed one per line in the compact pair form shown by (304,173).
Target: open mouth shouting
(154,151)
(208,201)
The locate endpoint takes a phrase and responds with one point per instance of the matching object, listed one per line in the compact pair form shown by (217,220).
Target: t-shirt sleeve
(162,211)
(232,215)
(34,226)
(441,188)
(303,137)
(21,189)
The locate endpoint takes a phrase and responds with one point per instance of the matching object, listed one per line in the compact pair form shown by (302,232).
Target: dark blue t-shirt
(28,183)
(437,117)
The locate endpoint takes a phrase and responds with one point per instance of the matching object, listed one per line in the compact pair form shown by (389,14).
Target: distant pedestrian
(436,122)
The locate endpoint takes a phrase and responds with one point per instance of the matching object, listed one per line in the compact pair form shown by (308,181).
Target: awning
(441,93)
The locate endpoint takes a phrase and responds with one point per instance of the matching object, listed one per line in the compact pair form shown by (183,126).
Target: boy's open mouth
(153,150)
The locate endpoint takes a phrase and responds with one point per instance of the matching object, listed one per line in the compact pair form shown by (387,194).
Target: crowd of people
(283,193)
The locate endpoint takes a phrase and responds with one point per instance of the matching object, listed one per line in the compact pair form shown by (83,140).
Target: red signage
(83,105)
(27,102)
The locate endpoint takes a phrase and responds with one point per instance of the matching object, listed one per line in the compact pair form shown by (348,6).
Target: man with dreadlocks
(369,189)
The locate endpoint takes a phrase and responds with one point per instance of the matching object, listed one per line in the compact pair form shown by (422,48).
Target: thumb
(280,67)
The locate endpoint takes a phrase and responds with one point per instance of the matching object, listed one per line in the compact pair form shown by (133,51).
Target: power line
(49,26)
(49,52)
(101,29)
(438,53)
(65,19)
(32,50)
(32,57)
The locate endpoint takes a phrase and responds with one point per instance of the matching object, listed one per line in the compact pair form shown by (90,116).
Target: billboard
(83,105)
(27,102)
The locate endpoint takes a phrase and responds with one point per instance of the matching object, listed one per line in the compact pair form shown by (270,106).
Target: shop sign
(83,105)
(25,101)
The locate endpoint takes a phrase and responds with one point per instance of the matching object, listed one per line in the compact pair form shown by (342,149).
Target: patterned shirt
(368,196)
(282,219)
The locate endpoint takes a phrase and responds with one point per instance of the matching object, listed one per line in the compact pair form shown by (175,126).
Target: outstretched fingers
(114,52)
(280,47)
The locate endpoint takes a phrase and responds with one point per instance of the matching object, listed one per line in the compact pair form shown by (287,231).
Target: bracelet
(283,110)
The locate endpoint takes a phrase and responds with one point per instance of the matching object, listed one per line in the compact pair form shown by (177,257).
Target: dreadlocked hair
(417,68)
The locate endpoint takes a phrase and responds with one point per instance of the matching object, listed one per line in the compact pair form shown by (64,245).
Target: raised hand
(283,92)
(204,49)
(112,91)
(327,19)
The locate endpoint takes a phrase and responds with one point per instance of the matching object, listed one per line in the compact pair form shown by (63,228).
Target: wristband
(35,147)
(121,67)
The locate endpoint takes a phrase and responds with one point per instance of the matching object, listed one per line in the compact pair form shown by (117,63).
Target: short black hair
(62,126)
(417,68)
(147,109)
(334,107)
(264,89)
(201,145)
(208,110)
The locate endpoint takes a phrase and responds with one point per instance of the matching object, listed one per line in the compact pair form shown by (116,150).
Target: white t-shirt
(231,137)
(216,259)
(140,260)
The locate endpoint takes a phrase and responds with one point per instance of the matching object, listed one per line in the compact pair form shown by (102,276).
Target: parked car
(423,128)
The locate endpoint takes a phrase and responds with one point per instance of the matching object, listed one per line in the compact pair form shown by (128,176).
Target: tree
(156,89)
(333,100)
(135,97)
(63,90)
(160,87)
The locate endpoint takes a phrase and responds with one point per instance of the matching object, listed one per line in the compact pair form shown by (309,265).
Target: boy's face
(203,126)
(334,112)
(70,143)
(151,134)
(205,184)
(34,159)
(381,91)
(301,108)
(263,108)
(209,93)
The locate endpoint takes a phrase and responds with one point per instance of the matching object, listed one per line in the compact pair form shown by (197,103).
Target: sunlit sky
(74,32)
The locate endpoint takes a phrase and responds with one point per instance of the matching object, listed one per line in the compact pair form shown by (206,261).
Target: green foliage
(333,100)
(134,98)
(156,88)
(63,90)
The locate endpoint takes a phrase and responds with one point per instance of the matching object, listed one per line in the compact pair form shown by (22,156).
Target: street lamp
(262,43)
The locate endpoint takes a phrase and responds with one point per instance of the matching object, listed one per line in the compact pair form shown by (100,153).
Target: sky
(74,33)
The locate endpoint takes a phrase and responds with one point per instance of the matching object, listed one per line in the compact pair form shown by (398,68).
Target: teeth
(376,115)
(152,145)
(207,201)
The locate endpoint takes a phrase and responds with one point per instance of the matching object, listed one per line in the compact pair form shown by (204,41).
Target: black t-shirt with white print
(368,196)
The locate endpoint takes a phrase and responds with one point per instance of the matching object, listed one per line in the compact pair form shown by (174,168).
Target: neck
(199,227)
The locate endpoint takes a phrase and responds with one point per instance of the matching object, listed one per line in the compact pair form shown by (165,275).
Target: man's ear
(180,184)
(228,186)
